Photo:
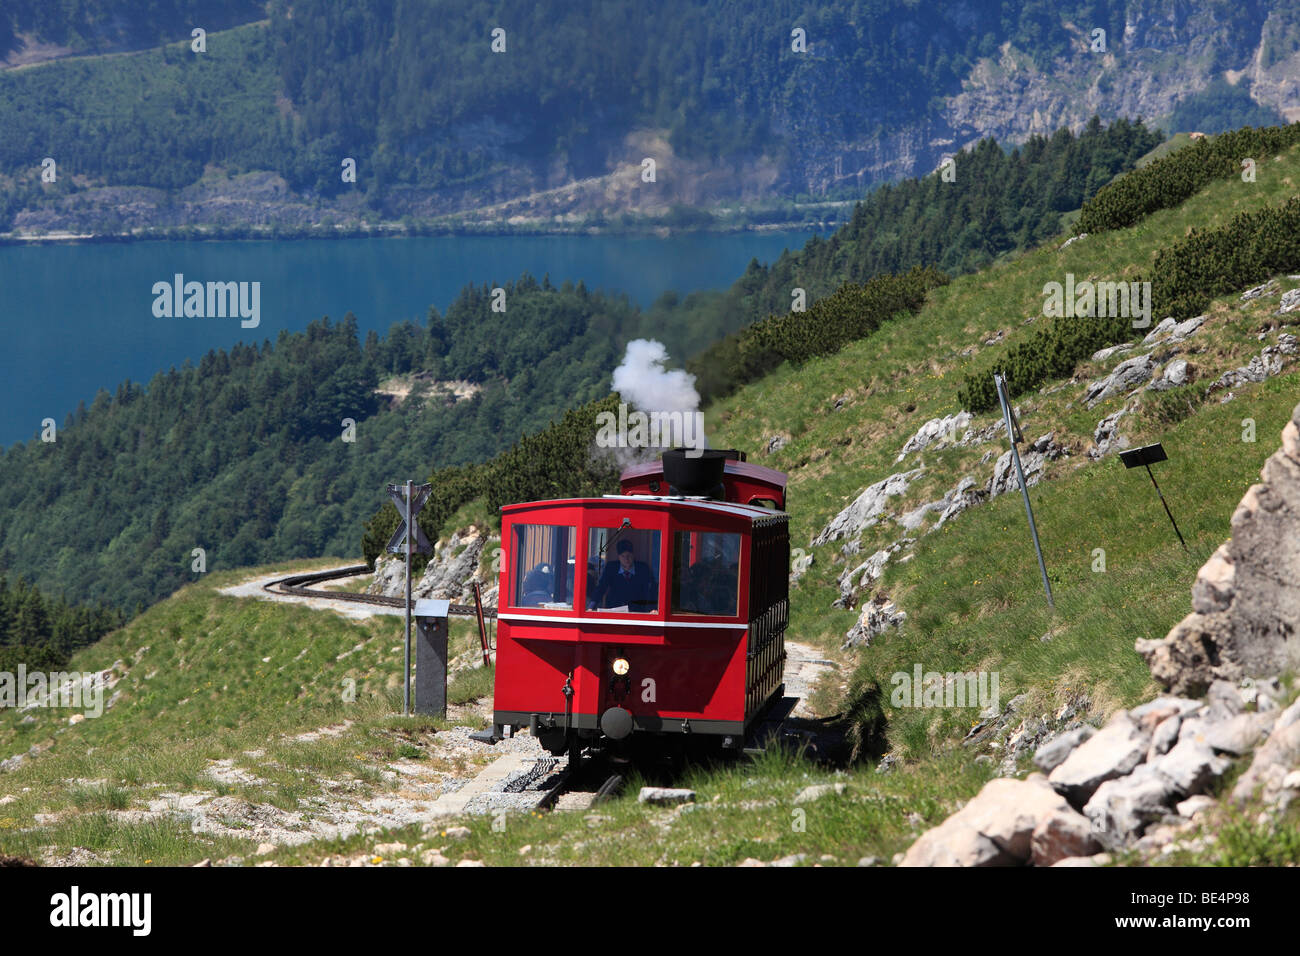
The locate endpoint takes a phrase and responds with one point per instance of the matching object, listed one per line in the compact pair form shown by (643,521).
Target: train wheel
(553,743)
(575,750)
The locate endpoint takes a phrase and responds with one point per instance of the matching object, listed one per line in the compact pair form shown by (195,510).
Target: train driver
(626,582)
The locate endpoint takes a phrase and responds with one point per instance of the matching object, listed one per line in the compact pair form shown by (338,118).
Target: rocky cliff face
(1245,621)
(1168,52)
(456,564)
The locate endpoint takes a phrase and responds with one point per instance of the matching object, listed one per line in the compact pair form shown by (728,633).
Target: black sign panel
(1146,455)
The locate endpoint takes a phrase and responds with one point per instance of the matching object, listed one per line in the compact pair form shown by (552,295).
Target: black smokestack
(695,473)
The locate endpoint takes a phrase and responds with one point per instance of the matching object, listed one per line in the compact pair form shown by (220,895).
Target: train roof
(743,468)
(753,512)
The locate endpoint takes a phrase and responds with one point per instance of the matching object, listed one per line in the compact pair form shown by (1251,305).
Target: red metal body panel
(683,666)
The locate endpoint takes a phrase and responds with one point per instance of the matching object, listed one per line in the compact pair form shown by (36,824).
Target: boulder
(995,828)
(938,431)
(1061,835)
(1212,590)
(1186,327)
(1165,736)
(964,496)
(1106,436)
(1190,766)
(665,796)
(870,570)
(1123,807)
(1190,807)
(1033,461)
(1112,752)
(449,574)
(1264,365)
(878,615)
(1052,754)
(1268,288)
(799,567)
(1127,375)
(1175,374)
(1163,328)
(1104,354)
(866,509)
(1237,735)
(1267,774)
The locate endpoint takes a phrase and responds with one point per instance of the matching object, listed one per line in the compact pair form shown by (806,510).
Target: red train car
(638,614)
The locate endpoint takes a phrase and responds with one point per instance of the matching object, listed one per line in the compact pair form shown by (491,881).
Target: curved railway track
(556,782)
(298,584)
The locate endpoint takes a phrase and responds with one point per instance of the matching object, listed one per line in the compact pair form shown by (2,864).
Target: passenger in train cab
(710,583)
(626,582)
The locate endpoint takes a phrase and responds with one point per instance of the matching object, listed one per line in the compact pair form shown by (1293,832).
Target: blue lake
(77,318)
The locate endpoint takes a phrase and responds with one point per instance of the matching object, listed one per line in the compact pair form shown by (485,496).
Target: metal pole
(406,673)
(1024,489)
(1168,512)
(482,629)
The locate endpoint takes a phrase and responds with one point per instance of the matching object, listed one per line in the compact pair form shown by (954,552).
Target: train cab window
(622,570)
(706,572)
(543,566)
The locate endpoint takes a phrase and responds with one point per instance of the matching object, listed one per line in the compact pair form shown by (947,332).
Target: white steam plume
(644,383)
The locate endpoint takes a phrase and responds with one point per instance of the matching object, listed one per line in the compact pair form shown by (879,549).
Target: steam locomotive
(658,612)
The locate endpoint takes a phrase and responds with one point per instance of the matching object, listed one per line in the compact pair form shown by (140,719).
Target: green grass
(197,689)
(472,683)
(743,809)
(972,591)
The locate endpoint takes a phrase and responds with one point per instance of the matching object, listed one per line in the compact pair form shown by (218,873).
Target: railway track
(299,585)
(540,787)
(589,784)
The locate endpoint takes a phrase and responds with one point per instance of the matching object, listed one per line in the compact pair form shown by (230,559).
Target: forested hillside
(244,455)
(43,632)
(90,26)
(248,456)
(774,101)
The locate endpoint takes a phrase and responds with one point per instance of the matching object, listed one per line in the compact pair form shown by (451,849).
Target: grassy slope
(197,688)
(972,592)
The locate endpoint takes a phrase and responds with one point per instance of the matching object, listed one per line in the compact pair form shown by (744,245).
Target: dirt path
(804,667)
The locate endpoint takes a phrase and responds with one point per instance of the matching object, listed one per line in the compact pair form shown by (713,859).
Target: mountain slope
(210,705)
(731,102)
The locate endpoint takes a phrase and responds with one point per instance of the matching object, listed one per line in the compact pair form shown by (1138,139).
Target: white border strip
(617,620)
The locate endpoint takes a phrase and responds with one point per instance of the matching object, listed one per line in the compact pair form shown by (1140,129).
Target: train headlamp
(621,666)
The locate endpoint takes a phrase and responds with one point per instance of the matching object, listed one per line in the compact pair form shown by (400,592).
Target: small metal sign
(1146,455)
(397,543)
